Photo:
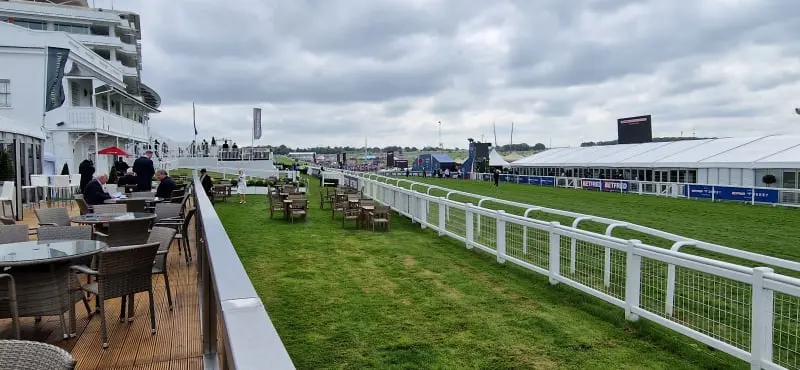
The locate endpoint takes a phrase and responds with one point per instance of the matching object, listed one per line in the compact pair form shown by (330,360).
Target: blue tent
(431,162)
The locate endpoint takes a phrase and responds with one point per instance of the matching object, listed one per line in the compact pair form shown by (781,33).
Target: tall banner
(54,93)
(256,123)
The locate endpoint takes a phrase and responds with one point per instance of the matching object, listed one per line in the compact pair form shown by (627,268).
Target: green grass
(761,229)
(342,298)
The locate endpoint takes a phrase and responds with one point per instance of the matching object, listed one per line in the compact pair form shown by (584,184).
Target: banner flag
(54,92)
(256,123)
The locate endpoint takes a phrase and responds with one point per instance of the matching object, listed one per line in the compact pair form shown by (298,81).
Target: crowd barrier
(751,313)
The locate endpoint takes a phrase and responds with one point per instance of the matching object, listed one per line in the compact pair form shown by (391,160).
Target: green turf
(761,229)
(342,298)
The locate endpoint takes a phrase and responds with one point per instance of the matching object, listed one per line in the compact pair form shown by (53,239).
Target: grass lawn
(342,298)
(761,229)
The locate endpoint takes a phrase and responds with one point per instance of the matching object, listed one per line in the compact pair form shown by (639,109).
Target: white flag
(256,123)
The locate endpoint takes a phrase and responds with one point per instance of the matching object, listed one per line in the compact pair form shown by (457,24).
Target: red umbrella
(112,150)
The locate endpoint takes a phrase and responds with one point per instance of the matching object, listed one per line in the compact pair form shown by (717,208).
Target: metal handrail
(227,294)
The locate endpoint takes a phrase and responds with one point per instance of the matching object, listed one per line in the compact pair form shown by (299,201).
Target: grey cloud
(337,71)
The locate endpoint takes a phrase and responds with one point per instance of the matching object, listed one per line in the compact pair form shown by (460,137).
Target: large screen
(635,130)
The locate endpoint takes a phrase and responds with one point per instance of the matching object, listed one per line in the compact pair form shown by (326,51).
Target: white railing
(91,118)
(750,313)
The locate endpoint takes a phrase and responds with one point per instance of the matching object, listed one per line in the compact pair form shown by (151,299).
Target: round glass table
(123,200)
(102,218)
(40,252)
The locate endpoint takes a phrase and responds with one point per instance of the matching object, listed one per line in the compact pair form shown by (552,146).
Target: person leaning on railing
(205,182)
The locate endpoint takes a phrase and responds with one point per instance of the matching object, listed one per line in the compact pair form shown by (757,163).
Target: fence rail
(753,195)
(229,303)
(750,313)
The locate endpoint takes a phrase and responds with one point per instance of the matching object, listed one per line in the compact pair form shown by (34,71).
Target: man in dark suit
(166,185)
(128,179)
(86,169)
(143,167)
(205,182)
(93,193)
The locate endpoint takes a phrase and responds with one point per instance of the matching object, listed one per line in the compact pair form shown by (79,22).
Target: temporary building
(431,162)
(725,161)
(495,160)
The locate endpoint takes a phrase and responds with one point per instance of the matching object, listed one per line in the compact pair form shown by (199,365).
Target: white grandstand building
(725,161)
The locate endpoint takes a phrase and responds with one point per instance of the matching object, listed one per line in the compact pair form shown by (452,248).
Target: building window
(72,28)
(5,93)
(34,25)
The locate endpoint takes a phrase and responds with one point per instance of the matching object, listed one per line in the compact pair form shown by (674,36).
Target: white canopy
(495,160)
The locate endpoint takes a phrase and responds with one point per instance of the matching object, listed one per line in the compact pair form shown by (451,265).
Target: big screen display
(635,130)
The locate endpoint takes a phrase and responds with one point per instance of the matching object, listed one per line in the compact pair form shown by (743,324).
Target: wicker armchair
(52,216)
(10,221)
(167,212)
(163,236)
(66,232)
(121,272)
(13,234)
(29,355)
(110,208)
(82,205)
(133,232)
(11,298)
(135,205)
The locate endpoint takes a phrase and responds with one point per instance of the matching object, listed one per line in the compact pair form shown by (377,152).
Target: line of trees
(284,150)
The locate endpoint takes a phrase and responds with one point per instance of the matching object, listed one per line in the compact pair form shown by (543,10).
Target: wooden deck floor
(177,343)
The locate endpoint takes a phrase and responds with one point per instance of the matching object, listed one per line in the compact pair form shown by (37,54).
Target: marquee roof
(775,151)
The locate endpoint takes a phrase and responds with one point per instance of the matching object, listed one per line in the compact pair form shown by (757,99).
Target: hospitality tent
(724,161)
(495,160)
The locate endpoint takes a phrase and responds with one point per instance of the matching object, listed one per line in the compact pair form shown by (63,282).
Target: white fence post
(469,225)
(633,280)
(442,220)
(607,267)
(424,212)
(501,237)
(670,300)
(555,253)
(762,316)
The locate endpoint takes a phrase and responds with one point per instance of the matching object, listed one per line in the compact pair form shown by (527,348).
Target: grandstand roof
(776,151)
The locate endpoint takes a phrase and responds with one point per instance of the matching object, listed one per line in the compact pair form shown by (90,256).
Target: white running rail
(750,313)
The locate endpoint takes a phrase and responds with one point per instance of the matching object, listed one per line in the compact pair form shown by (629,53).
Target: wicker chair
(111,208)
(133,232)
(29,355)
(13,234)
(66,232)
(52,216)
(82,205)
(298,208)
(163,236)
(10,221)
(167,211)
(143,194)
(11,298)
(136,205)
(121,272)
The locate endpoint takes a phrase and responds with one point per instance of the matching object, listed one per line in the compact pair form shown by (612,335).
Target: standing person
(144,169)
(205,182)
(86,169)
(496,177)
(241,187)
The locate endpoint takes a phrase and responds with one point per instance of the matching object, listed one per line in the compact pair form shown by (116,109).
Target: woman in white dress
(241,187)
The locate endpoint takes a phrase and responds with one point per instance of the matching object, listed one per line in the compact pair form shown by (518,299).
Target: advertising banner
(606,185)
(732,193)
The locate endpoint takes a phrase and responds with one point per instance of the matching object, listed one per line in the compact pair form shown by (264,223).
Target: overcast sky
(331,72)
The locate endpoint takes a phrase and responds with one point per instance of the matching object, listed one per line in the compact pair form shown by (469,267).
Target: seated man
(129,179)
(93,193)
(166,185)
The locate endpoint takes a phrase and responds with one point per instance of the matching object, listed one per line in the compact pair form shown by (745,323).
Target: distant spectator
(496,177)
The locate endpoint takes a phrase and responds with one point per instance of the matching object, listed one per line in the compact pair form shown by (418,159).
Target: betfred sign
(605,185)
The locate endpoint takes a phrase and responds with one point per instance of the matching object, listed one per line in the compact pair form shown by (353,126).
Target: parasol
(115,151)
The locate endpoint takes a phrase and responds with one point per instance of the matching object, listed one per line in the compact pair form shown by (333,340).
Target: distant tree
(539,147)
(65,169)
(769,179)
